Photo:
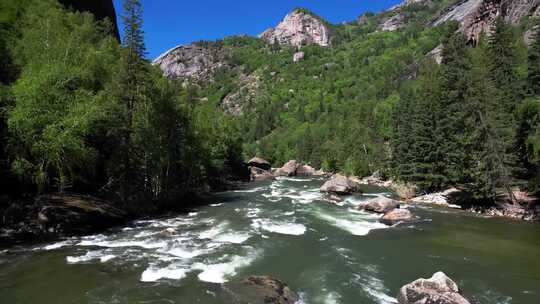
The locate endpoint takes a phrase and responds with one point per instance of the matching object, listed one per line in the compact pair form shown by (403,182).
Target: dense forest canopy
(83,113)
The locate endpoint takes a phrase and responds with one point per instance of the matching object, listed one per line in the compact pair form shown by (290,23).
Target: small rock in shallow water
(168,232)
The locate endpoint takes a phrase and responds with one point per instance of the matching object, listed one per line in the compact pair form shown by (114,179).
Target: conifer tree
(451,132)
(533,78)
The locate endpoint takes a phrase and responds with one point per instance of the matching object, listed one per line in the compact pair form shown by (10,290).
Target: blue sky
(169,23)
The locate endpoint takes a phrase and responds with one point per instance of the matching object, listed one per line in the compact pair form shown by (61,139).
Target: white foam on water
(57,245)
(258,189)
(233,237)
(152,274)
(185,252)
(279,227)
(253,212)
(90,256)
(214,231)
(359,226)
(216,205)
(149,244)
(192,214)
(289,213)
(332,298)
(219,273)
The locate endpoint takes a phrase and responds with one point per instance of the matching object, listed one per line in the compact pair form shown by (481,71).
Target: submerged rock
(397,215)
(261,290)
(332,198)
(439,289)
(380,205)
(340,184)
(289,169)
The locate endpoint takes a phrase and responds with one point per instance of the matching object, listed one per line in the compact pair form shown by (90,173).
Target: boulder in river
(261,290)
(380,205)
(69,214)
(439,289)
(260,163)
(168,232)
(340,184)
(260,175)
(397,215)
(405,191)
(289,169)
(306,170)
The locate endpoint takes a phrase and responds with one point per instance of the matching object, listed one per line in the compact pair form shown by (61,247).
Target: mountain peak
(299,27)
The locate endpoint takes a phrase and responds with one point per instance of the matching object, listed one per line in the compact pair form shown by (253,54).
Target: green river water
(327,253)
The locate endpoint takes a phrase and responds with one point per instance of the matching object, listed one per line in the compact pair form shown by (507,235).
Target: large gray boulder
(289,169)
(439,289)
(340,184)
(380,205)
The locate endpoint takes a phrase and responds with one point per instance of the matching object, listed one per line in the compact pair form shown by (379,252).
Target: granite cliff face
(477,16)
(101,9)
(193,62)
(299,28)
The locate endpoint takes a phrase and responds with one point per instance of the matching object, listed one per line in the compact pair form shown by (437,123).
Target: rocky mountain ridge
(299,28)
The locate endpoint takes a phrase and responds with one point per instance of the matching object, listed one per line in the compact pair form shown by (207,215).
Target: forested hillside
(82,113)
(375,97)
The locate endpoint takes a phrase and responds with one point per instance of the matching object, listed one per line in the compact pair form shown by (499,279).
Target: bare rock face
(340,184)
(299,56)
(289,169)
(438,289)
(233,103)
(380,205)
(190,62)
(297,29)
(477,16)
(398,19)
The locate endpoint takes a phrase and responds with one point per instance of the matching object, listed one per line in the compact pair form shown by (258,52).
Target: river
(327,253)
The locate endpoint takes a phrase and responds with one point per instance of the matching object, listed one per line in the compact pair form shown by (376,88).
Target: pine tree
(502,65)
(491,132)
(533,78)
(451,136)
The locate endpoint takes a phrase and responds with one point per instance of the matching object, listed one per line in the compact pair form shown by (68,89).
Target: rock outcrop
(380,205)
(249,87)
(340,184)
(448,198)
(193,62)
(289,169)
(477,16)
(299,28)
(439,289)
(261,290)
